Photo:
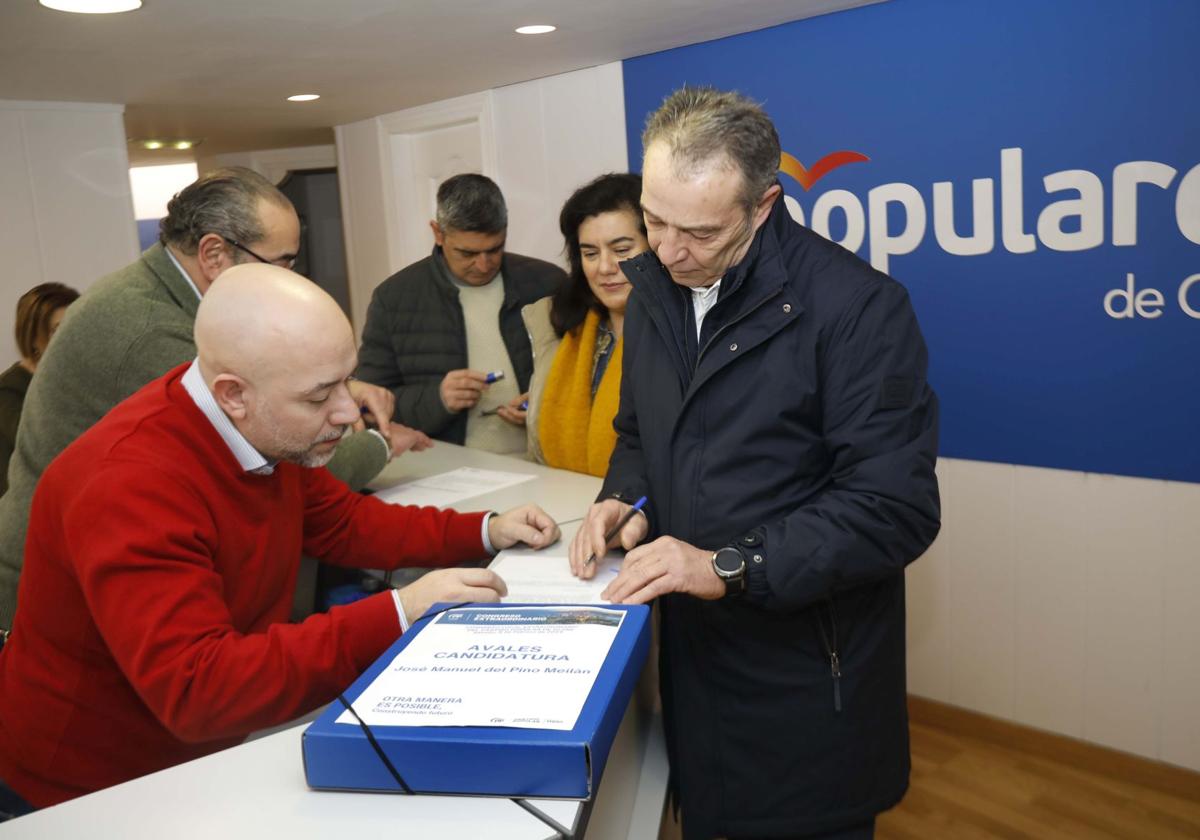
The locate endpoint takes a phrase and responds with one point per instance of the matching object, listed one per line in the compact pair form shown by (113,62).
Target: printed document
(544,577)
(451,487)
(524,667)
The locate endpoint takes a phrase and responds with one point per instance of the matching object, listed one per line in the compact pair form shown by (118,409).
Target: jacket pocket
(826,617)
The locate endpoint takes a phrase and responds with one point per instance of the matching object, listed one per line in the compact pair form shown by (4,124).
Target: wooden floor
(974,777)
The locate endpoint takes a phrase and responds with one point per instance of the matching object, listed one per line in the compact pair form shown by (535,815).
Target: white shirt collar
(702,301)
(186,276)
(249,458)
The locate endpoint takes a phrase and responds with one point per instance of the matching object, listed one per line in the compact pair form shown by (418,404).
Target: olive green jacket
(130,328)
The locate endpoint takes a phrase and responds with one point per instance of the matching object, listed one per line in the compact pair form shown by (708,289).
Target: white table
(564,495)
(257,790)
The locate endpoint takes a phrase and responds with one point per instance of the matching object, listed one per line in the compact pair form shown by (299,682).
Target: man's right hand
(461,389)
(454,585)
(589,539)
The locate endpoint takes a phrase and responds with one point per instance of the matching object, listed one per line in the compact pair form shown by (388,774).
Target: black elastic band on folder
(387,762)
(562,830)
(552,823)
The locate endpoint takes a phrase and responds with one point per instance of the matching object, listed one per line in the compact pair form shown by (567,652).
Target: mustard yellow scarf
(576,432)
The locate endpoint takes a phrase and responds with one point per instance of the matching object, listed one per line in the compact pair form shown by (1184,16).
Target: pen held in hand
(495,409)
(621,523)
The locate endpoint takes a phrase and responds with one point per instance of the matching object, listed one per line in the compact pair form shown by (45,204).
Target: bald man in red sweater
(163,547)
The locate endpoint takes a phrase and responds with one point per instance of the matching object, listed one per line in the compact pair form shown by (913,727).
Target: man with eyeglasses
(287,261)
(136,324)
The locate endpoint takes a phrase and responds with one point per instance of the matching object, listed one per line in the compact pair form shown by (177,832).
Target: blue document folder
(478,760)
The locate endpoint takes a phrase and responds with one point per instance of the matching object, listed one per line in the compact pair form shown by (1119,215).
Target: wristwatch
(730,566)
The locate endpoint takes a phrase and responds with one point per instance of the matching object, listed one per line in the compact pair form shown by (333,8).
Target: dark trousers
(11,804)
(859,831)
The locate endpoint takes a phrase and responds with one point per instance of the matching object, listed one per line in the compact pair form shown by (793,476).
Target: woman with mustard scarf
(576,334)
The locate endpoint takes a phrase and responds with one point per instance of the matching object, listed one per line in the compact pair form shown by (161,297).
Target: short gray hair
(698,124)
(223,201)
(471,203)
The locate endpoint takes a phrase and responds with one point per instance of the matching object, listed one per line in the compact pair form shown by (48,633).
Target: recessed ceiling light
(536,29)
(92,7)
(154,144)
(304,97)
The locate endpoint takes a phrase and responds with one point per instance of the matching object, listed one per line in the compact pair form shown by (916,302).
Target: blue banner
(1030,171)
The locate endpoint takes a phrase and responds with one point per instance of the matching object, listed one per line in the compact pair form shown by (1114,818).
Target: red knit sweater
(153,603)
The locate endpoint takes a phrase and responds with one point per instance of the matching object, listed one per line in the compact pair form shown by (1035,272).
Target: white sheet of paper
(544,577)
(524,667)
(448,488)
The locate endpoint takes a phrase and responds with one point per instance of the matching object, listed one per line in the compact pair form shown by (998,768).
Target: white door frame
(395,150)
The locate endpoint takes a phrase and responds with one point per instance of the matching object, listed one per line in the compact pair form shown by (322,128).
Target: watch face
(729,562)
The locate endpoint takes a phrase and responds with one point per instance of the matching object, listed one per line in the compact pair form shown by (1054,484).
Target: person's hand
(461,389)
(401,439)
(665,565)
(378,402)
(515,409)
(454,585)
(589,539)
(528,524)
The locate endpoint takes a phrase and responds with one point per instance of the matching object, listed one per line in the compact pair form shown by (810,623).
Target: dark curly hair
(224,202)
(615,191)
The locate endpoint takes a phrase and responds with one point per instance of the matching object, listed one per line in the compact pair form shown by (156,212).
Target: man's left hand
(403,439)
(665,565)
(527,524)
(378,402)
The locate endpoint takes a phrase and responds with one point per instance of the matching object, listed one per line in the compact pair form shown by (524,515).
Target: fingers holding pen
(461,389)
(607,523)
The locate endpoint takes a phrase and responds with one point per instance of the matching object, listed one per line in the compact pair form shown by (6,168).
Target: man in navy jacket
(775,410)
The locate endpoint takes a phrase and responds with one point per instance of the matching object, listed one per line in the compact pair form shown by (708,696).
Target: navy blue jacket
(801,428)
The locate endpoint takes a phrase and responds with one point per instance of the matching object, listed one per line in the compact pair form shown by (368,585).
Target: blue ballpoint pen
(621,523)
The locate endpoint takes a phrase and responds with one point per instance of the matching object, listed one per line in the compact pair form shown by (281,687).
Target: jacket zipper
(831,649)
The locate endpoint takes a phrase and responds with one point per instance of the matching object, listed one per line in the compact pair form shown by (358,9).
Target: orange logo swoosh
(807,177)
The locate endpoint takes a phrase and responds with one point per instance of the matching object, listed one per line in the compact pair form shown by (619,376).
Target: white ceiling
(221,69)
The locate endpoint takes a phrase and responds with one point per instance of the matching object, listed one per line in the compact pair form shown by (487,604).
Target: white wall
(66,214)
(542,139)
(1065,601)
(553,135)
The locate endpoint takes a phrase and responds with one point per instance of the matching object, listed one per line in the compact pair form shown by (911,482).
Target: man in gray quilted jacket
(445,334)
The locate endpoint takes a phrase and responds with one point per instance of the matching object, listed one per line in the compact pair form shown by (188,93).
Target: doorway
(322,256)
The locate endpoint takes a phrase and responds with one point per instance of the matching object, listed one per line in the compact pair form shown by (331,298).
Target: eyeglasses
(286,261)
